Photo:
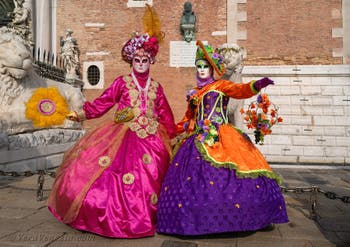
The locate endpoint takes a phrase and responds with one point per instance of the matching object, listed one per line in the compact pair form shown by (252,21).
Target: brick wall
(292,31)
(273,32)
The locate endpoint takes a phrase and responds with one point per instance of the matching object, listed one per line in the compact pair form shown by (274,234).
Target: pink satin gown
(109,182)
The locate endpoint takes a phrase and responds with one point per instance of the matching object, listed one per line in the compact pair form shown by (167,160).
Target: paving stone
(27,222)
(291,243)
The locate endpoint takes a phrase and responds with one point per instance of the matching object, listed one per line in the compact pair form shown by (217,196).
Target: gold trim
(124,115)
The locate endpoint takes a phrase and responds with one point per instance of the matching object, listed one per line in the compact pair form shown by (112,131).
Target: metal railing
(48,64)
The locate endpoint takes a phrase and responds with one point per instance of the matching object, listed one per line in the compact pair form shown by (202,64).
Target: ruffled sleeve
(237,90)
(105,101)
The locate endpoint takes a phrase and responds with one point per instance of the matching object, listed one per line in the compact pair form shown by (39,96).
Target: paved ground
(26,222)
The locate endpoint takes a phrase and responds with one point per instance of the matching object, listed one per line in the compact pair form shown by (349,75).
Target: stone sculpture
(21,23)
(233,57)
(70,55)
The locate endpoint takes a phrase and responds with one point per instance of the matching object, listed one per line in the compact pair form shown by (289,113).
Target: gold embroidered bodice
(145,122)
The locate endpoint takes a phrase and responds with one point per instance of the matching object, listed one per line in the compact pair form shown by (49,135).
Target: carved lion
(18,80)
(233,57)
(15,62)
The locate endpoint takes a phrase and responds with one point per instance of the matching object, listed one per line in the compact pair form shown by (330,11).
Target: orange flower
(273,113)
(264,97)
(254,118)
(280,119)
(206,122)
(241,111)
(250,126)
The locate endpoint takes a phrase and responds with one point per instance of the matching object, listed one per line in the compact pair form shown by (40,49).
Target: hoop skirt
(109,182)
(224,186)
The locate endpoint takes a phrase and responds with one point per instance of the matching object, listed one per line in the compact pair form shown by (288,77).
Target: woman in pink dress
(110,180)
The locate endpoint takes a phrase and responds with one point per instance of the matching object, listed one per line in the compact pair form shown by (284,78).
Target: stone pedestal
(39,150)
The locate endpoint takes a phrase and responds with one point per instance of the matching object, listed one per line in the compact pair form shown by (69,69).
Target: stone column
(232,21)
(43,24)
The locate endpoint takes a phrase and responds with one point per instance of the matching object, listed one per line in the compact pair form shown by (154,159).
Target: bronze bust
(188,23)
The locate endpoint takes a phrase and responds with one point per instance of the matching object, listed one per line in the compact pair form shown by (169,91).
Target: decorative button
(104,161)
(128,178)
(146,159)
(154,199)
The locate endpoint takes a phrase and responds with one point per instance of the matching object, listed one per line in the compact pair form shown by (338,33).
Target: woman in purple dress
(109,182)
(218,181)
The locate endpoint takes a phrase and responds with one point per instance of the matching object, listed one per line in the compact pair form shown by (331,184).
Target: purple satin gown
(201,196)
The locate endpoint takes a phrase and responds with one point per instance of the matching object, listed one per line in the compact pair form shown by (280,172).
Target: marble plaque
(182,53)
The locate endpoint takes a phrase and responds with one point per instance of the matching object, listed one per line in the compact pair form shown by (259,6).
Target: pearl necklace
(138,84)
(142,91)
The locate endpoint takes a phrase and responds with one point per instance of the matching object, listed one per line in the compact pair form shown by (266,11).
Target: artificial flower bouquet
(261,115)
(208,133)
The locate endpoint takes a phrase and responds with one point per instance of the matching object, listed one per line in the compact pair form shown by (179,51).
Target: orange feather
(152,24)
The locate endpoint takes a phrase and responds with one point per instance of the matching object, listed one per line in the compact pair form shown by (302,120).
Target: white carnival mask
(140,64)
(203,69)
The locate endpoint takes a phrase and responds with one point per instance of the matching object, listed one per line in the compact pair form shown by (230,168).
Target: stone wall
(314,102)
(293,32)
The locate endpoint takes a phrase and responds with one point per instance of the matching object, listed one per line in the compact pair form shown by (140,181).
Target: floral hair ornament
(261,115)
(208,53)
(146,44)
(47,107)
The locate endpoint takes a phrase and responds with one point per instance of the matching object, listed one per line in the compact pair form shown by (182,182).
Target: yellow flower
(47,107)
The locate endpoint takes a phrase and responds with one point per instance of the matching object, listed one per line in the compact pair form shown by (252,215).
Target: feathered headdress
(208,53)
(151,23)
(147,43)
